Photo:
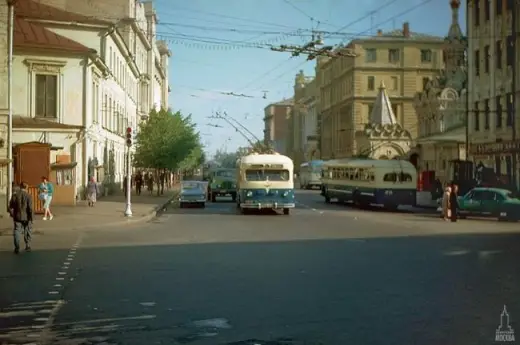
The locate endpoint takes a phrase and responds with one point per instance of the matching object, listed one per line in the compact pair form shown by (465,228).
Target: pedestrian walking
(21,210)
(92,192)
(46,190)
(138,183)
(446,211)
(454,202)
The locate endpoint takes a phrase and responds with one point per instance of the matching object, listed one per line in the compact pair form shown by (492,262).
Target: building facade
(4,106)
(403,60)
(276,125)
(492,62)
(305,119)
(82,82)
(441,108)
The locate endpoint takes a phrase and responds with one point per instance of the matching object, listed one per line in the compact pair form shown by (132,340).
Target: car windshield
(191,185)
(225,173)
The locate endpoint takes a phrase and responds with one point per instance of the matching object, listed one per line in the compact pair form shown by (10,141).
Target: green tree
(166,141)
(227,160)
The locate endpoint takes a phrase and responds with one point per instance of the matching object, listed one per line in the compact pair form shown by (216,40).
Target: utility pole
(10,177)
(513,86)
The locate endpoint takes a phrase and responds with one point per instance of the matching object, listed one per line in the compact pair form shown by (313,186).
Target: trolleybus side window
(390,177)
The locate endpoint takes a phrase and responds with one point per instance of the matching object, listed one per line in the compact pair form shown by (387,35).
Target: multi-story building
(276,124)
(304,120)
(80,86)
(402,60)
(441,108)
(493,61)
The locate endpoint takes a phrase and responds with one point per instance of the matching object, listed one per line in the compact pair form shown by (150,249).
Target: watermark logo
(504,331)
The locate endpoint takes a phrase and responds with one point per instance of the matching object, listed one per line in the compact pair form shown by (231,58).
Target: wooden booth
(31,163)
(63,176)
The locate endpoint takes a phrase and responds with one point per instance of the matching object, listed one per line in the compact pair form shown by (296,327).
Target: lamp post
(128,208)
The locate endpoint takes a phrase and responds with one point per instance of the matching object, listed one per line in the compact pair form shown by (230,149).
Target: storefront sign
(494,148)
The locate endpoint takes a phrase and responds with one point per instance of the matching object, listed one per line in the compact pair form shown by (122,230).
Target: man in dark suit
(21,209)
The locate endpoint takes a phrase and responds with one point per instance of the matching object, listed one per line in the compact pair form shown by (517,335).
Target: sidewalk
(109,211)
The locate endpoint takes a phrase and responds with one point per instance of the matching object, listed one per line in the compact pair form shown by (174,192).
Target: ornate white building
(383,137)
(441,107)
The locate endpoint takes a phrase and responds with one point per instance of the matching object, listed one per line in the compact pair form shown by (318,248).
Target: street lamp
(128,208)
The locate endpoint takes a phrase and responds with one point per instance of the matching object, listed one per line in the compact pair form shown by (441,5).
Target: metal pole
(10,5)
(128,209)
(466,63)
(513,88)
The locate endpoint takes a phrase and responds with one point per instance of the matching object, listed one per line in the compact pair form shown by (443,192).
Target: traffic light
(129,136)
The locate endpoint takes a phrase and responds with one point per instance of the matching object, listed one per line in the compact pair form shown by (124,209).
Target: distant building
(403,60)
(304,121)
(276,116)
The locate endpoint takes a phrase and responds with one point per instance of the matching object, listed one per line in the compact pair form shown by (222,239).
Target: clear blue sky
(199,70)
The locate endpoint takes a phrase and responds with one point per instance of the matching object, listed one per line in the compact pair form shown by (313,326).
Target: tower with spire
(384,137)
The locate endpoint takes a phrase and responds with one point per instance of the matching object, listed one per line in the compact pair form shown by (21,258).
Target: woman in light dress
(446,212)
(92,192)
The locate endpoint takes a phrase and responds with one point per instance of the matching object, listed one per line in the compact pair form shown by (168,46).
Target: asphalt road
(326,274)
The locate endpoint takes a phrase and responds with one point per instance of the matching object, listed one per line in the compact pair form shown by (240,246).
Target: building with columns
(348,86)
(441,107)
(493,60)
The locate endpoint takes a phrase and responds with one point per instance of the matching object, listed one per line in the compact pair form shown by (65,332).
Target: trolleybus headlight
(285,194)
(249,194)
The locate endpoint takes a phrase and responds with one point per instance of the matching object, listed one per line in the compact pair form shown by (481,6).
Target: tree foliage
(227,160)
(168,140)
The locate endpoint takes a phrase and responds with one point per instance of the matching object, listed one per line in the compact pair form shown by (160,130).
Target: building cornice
(118,40)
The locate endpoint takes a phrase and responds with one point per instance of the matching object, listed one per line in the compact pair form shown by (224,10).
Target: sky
(223,46)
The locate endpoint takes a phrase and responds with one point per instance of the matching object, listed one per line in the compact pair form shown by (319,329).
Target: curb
(135,220)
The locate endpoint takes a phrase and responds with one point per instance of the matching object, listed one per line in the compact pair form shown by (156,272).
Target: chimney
(406,29)
(380,32)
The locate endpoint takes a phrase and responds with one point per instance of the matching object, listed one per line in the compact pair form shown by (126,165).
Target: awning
(454,136)
(32,124)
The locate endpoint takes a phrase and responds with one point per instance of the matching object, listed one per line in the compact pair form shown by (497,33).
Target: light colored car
(193,193)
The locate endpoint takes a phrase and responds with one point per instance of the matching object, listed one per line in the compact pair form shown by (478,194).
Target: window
(426,55)
(393,55)
(110,58)
(487,5)
(509,4)
(498,54)
(267,175)
(477,117)
(395,83)
(510,52)
(486,114)
(498,105)
(371,83)
(46,96)
(370,110)
(395,110)
(509,110)
(498,8)
(477,62)
(425,81)
(476,8)
(370,55)
(486,59)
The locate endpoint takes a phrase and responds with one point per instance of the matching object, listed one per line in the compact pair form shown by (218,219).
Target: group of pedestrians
(450,203)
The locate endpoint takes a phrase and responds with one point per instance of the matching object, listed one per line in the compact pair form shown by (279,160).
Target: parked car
(489,202)
(193,193)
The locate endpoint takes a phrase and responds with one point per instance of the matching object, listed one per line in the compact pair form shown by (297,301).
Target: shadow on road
(437,288)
